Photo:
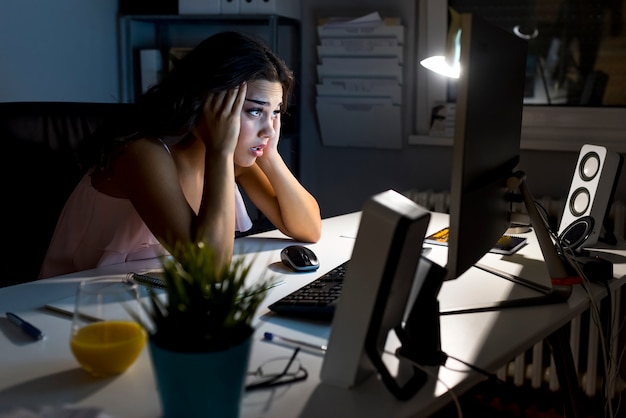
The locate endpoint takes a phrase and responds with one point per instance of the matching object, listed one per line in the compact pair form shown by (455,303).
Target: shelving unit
(163,32)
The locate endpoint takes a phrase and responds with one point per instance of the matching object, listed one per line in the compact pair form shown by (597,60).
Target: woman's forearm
(299,213)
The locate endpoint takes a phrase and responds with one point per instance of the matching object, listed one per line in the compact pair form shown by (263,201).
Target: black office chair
(40,169)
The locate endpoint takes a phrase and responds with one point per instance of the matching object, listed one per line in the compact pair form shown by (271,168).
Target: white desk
(45,373)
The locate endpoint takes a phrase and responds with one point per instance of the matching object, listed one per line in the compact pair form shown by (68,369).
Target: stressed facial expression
(260,121)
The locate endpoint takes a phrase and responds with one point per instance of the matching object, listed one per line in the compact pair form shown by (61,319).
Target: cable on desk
(573,261)
(490,376)
(610,380)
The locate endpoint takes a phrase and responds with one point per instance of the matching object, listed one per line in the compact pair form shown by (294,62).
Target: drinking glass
(106,336)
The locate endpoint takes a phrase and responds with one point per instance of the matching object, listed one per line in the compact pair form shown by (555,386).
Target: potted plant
(201,332)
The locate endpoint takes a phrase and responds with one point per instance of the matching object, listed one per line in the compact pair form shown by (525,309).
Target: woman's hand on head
(220,122)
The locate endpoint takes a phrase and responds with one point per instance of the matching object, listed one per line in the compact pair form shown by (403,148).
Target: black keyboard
(316,300)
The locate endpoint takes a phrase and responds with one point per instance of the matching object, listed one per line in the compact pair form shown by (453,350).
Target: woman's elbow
(312,233)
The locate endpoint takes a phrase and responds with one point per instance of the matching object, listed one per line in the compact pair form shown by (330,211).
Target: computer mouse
(299,258)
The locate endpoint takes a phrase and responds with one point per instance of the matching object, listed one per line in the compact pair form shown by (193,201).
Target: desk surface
(36,373)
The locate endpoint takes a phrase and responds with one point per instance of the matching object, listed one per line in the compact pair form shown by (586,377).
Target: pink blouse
(95,229)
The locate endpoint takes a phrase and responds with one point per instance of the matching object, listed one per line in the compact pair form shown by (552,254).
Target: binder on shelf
(359,122)
(191,7)
(228,7)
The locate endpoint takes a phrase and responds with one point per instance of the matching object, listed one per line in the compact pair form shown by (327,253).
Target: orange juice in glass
(106,337)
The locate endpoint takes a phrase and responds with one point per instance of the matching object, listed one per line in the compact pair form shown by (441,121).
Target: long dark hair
(174,106)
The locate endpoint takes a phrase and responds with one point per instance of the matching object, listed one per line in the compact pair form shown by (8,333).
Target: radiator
(536,367)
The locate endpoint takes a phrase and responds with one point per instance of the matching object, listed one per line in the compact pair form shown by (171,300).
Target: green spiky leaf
(208,308)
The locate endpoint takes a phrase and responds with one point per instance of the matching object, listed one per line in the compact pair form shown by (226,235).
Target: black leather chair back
(40,169)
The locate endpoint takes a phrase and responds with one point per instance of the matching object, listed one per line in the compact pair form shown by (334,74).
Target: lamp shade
(448,64)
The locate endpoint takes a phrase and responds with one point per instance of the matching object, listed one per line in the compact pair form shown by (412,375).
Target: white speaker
(590,196)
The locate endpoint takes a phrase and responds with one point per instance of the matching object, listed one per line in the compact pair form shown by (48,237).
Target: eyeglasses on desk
(276,372)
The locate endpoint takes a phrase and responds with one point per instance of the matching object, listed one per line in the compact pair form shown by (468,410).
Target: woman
(171,171)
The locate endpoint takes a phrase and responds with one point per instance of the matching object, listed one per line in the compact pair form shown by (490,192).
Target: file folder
(372,31)
(360,75)
(354,122)
(361,51)
(361,87)
(359,67)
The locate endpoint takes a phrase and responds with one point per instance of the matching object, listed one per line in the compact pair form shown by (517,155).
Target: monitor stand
(562,276)
(419,336)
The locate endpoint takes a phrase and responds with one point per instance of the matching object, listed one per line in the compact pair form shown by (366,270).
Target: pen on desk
(27,327)
(268,336)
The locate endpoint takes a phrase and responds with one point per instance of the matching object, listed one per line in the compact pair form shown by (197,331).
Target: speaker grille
(589,166)
(579,202)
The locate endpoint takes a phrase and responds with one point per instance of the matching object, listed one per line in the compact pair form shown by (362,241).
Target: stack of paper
(359,89)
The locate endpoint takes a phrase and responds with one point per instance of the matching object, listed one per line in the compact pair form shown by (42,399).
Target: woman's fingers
(240,97)
(227,102)
(222,110)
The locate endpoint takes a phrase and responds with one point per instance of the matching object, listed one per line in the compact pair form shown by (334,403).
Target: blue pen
(268,336)
(27,327)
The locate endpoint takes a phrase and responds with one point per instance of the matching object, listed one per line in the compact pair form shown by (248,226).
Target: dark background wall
(66,50)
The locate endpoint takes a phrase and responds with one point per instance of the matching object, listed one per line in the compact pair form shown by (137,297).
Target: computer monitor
(489,104)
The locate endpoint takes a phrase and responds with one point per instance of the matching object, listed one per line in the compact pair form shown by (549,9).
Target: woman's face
(260,121)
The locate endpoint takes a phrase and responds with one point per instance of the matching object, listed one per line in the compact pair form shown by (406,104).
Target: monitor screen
(489,103)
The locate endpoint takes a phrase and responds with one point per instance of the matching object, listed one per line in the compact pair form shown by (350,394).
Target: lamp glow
(440,65)
(448,65)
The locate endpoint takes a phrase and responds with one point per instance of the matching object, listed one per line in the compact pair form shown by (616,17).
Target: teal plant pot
(203,385)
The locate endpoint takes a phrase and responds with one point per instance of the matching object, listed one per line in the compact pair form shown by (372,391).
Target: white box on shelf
(229,7)
(288,8)
(198,7)
(248,7)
